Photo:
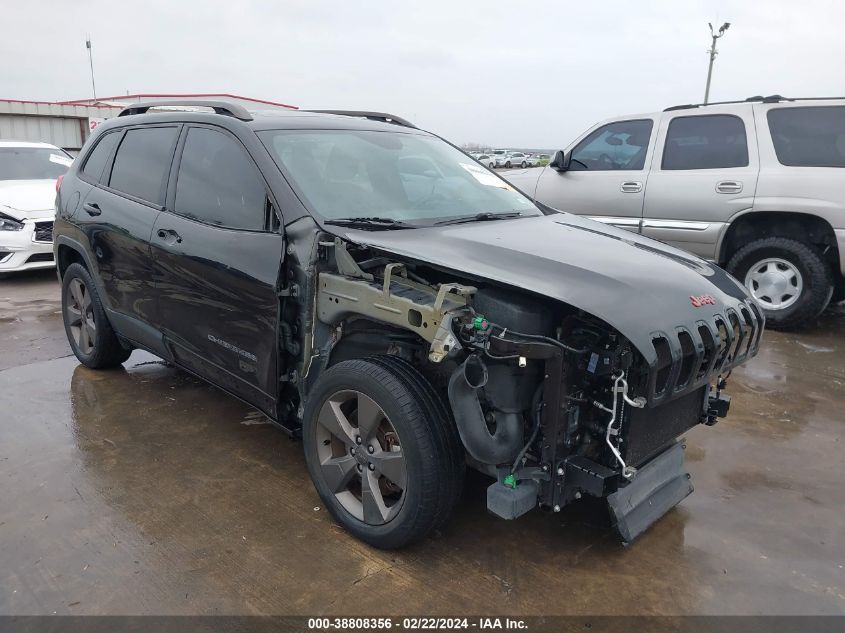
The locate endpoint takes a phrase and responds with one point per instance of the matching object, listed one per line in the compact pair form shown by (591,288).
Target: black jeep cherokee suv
(373,289)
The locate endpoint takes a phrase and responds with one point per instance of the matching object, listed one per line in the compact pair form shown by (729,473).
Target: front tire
(381,453)
(88,330)
(789,279)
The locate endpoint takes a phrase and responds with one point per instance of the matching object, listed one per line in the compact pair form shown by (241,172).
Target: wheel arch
(68,252)
(752,225)
(363,337)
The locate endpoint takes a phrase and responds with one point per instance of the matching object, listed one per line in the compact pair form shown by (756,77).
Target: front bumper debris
(659,486)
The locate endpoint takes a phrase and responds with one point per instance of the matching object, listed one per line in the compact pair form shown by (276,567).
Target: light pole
(712,52)
(91,64)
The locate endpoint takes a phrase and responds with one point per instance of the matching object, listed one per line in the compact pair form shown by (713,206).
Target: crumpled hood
(28,199)
(637,285)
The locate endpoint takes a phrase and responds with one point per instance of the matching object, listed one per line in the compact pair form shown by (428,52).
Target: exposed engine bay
(550,400)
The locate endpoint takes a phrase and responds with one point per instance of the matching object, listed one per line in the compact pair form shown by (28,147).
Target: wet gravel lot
(145,491)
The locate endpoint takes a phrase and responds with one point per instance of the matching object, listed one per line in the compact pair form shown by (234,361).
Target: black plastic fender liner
(498,448)
(657,487)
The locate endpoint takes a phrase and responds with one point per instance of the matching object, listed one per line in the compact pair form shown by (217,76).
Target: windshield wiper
(482,217)
(370,223)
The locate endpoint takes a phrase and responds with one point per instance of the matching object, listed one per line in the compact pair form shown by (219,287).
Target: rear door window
(809,137)
(621,145)
(143,162)
(713,141)
(99,156)
(218,183)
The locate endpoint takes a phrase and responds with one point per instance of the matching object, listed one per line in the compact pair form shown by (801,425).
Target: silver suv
(757,186)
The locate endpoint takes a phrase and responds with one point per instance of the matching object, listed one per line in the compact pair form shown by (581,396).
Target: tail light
(59,182)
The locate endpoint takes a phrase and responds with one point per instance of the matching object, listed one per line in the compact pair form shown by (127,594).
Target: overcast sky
(518,73)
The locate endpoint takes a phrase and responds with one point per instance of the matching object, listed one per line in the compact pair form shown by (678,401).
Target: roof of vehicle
(27,144)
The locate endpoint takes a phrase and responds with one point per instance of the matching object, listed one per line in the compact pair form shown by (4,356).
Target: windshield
(412,178)
(32,163)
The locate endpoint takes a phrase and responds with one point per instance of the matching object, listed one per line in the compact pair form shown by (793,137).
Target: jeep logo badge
(703,300)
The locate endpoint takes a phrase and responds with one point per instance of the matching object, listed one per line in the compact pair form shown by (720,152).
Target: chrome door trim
(685,225)
(616,221)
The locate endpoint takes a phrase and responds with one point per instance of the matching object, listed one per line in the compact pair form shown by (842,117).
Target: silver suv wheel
(775,283)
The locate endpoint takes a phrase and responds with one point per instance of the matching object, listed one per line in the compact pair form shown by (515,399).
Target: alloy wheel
(361,458)
(775,283)
(80,313)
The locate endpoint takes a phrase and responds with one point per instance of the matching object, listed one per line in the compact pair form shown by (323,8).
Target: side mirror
(561,161)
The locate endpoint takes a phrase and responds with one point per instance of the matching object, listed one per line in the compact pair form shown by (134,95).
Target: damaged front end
(551,400)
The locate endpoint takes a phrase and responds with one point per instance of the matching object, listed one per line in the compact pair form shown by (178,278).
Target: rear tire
(88,330)
(790,280)
(402,419)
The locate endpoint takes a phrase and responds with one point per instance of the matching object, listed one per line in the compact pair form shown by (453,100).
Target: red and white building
(67,124)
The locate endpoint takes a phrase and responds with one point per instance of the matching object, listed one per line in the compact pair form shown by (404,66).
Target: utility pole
(91,64)
(713,54)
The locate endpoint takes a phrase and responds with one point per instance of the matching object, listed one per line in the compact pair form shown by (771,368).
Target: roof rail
(758,98)
(219,107)
(373,116)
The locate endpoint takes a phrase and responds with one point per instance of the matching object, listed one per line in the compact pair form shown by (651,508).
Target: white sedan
(485,159)
(28,173)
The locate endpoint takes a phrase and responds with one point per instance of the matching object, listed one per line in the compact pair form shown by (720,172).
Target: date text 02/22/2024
(416,623)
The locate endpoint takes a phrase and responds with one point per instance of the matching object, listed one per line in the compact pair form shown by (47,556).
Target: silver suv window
(809,137)
(713,141)
(619,145)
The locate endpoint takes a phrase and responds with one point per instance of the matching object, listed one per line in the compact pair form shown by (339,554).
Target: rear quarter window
(99,156)
(143,161)
(809,136)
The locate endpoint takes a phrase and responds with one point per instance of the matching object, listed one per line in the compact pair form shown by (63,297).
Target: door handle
(92,208)
(169,235)
(728,186)
(631,186)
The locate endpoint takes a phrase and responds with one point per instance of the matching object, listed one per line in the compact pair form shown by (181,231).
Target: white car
(497,157)
(485,159)
(28,174)
(516,159)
